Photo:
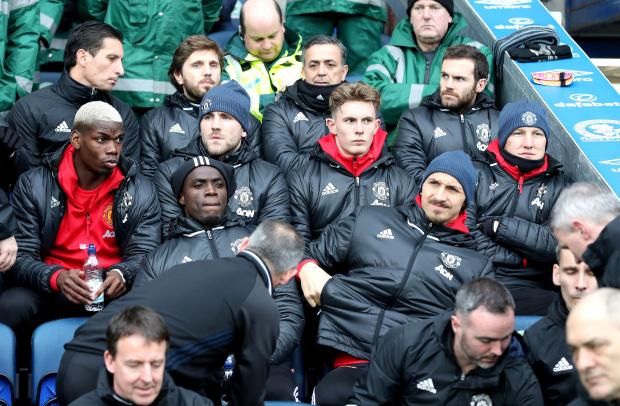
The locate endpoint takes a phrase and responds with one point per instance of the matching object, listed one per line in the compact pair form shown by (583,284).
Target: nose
(581,281)
(216,122)
(210,189)
(146,373)
(119,67)
(440,193)
(359,127)
(496,348)
(583,359)
(426,13)
(322,70)
(528,141)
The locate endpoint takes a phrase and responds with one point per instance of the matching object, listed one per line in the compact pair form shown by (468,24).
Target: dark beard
(463,103)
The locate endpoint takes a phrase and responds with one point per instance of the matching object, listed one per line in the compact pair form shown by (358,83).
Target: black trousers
(24,309)
(337,386)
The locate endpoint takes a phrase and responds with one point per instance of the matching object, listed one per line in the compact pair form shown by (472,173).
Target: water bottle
(94,278)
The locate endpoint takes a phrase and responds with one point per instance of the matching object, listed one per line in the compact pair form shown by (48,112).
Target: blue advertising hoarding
(589,109)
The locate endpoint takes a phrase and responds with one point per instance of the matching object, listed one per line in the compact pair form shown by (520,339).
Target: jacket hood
(104,389)
(179,100)
(403,35)
(184,225)
(483,101)
(236,48)
(456,234)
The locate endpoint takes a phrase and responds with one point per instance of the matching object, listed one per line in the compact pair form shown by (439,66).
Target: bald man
(593,335)
(85,193)
(264,58)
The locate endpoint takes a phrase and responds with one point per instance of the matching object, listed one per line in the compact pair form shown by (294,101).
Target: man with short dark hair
(586,220)
(463,358)
(548,354)
(225,135)
(593,336)
(458,116)
(92,66)
(382,267)
(226,310)
(135,359)
(409,67)
(349,168)
(196,68)
(263,58)
(85,193)
(208,230)
(294,123)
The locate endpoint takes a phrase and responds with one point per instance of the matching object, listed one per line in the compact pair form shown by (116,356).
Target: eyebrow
(268,35)
(321,60)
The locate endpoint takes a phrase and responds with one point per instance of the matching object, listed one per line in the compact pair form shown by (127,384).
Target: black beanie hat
(458,165)
(227,171)
(447,4)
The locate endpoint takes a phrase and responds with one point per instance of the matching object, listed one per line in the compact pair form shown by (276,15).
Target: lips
(111,163)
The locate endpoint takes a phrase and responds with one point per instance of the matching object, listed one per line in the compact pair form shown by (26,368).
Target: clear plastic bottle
(94,278)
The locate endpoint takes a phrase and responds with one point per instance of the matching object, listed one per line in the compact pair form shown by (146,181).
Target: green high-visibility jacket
(19,47)
(152,30)
(397,70)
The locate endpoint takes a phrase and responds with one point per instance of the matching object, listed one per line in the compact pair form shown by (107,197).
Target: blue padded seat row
(48,342)
(7,366)
(522,323)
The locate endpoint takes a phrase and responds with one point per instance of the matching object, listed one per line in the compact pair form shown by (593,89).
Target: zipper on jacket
(212,244)
(464,135)
(357,191)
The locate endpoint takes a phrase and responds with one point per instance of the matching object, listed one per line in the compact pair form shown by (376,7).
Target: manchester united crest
(243,196)
(107,215)
(528,118)
(483,133)
(381,190)
(234,246)
(450,260)
(481,400)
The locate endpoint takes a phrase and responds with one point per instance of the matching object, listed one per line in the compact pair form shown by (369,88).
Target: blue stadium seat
(48,342)
(522,323)
(7,365)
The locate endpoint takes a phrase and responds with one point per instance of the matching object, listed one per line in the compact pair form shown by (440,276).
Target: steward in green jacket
(19,47)
(409,67)
(263,58)
(152,30)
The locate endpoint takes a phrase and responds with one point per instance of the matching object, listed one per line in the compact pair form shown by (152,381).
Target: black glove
(9,139)
(488,225)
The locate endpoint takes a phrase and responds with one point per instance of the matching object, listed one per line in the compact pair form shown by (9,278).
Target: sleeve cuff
(121,274)
(301,265)
(54,279)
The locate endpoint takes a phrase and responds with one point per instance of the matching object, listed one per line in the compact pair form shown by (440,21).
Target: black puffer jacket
(170,395)
(189,241)
(173,126)
(43,120)
(415,365)
(261,189)
(400,267)
(8,225)
(523,206)
(603,255)
(291,129)
(550,357)
(323,190)
(429,130)
(39,204)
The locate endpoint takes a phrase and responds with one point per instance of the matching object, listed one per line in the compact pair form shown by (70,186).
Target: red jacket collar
(458,224)
(355,165)
(512,169)
(68,179)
